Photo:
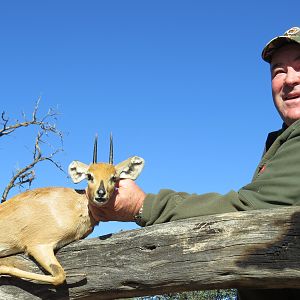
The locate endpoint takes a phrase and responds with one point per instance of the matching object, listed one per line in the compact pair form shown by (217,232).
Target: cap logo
(292,31)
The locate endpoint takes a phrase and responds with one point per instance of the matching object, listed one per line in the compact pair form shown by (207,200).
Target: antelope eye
(90,177)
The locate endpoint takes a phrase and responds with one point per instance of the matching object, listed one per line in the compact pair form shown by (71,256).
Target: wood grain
(255,249)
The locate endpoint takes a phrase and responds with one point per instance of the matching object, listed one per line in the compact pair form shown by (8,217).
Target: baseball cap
(290,36)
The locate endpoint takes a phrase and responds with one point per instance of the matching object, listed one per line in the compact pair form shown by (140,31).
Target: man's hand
(124,204)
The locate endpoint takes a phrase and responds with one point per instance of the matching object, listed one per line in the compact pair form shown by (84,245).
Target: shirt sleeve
(169,205)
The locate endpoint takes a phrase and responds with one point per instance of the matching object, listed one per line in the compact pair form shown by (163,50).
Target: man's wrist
(138,218)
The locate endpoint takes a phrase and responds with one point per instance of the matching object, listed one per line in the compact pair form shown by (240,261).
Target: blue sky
(180,83)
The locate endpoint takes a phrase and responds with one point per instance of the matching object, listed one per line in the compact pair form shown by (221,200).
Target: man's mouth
(291,96)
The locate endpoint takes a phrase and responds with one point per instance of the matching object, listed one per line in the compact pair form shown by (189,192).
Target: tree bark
(255,249)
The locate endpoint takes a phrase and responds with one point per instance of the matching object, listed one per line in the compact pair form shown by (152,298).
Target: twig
(43,123)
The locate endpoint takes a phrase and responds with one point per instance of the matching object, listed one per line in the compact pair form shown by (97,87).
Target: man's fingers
(124,183)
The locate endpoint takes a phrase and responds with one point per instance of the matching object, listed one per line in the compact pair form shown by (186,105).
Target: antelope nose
(101,193)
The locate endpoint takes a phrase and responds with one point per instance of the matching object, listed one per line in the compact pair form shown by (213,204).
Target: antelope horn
(111,151)
(95,149)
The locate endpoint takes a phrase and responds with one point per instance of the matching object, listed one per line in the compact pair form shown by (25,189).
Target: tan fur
(39,221)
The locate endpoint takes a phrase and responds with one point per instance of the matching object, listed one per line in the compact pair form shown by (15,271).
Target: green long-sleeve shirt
(276,182)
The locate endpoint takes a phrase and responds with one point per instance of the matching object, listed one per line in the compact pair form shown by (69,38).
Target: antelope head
(102,177)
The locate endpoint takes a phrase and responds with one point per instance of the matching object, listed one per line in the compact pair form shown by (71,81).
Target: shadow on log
(255,249)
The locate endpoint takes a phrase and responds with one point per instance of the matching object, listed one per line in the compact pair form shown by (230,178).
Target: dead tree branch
(46,126)
(42,122)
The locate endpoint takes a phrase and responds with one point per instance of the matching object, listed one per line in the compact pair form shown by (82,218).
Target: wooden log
(255,249)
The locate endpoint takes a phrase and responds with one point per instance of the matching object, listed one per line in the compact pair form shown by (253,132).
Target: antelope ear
(130,168)
(77,171)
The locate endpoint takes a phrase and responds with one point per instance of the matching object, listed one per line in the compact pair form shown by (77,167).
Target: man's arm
(277,184)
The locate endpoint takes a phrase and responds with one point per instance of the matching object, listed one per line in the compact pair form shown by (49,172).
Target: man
(276,181)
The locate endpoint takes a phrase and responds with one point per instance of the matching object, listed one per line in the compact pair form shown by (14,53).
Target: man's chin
(291,118)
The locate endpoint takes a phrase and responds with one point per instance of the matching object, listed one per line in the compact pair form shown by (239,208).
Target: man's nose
(292,77)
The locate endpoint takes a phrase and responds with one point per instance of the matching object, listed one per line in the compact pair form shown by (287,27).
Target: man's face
(285,72)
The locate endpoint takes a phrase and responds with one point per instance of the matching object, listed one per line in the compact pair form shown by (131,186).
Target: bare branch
(26,175)
(26,178)
(43,122)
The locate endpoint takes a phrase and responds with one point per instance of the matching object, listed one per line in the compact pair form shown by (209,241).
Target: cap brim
(274,44)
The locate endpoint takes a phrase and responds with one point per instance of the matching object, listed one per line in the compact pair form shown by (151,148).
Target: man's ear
(130,168)
(77,171)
